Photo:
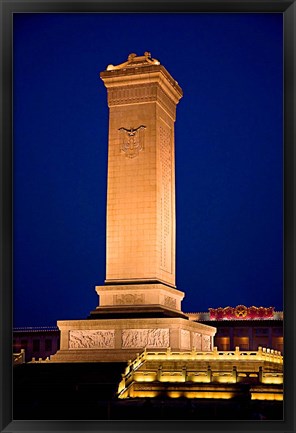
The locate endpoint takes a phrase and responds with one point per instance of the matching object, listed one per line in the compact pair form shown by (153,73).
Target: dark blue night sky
(229,163)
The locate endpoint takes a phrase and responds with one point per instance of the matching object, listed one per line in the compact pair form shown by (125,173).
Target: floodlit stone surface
(142,99)
(140,294)
(201,375)
(140,259)
(121,339)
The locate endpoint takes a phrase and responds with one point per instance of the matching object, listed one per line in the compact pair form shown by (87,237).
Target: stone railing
(262,354)
(19,358)
(39,360)
(251,373)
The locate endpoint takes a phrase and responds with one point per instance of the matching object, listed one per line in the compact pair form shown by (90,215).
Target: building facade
(235,327)
(36,342)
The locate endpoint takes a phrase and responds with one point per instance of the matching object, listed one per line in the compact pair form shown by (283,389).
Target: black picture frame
(8,7)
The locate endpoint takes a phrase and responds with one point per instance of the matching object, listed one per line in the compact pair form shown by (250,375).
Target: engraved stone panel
(140,338)
(130,299)
(166,197)
(103,339)
(132,94)
(185,339)
(206,342)
(170,302)
(141,93)
(196,340)
(158,338)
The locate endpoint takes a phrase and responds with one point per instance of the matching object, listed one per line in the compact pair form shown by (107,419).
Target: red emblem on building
(241,312)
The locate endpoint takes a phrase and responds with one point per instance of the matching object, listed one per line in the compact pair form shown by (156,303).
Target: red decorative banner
(241,312)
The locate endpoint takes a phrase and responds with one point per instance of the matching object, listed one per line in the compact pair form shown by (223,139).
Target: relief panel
(103,339)
(185,339)
(129,299)
(196,340)
(140,338)
(170,302)
(165,146)
(206,342)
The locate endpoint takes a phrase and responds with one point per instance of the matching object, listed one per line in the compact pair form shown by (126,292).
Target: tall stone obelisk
(141,228)
(142,98)
(139,305)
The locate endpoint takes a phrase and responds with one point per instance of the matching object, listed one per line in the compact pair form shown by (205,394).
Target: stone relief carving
(206,342)
(158,338)
(166,197)
(132,140)
(167,103)
(140,338)
(134,94)
(196,340)
(130,299)
(141,93)
(103,339)
(170,302)
(185,339)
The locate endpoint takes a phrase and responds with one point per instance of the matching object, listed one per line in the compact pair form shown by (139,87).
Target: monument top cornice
(135,61)
(141,70)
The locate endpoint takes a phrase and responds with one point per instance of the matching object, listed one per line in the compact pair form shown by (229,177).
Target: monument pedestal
(130,318)
(142,300)
(120,340)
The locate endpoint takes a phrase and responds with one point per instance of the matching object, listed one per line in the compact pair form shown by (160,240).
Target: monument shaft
(142,98)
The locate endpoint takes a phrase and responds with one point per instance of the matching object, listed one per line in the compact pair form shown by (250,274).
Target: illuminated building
(212,375)
(258,327)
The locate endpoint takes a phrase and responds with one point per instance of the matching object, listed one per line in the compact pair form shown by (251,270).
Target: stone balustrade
(19,358)
(263,354)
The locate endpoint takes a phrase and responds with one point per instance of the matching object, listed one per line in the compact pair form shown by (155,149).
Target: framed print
(148,216)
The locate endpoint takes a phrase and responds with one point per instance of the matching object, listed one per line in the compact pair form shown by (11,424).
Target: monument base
(120,340)
(138,300)
(138,311)
(139,294)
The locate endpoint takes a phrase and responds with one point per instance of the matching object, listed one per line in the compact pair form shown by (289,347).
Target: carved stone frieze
(130,299)
(168,105)
(170,302)
(132,94)
(185,339)
(88,339)
(196,340)
(140,338)
(166,197)
(206,342)
(141,93)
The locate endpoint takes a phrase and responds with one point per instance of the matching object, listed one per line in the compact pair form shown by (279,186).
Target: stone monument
(139,305)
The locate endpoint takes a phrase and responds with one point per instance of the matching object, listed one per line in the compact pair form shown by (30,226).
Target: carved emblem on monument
(132,140)
(102,339)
